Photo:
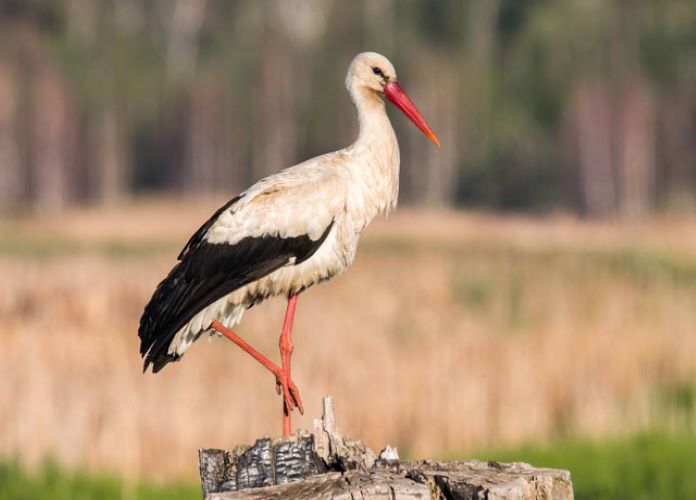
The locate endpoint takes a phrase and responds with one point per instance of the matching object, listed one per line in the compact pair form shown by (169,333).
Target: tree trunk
(677,138)
(275,128)
(53,138)
(591,122)
(109,172)
(636,150)
(324,464)
(432,171)
(182,46)
(11,178)
(207,165)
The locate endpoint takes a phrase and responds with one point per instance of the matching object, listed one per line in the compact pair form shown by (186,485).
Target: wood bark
(324,464)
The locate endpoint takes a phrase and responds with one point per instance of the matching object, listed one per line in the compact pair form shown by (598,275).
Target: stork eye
(377,71)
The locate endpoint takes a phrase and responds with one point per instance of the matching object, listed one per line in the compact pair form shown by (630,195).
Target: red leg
(291,395)
(270,365)
(286,348)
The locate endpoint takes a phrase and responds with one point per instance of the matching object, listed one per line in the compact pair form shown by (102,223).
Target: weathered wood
(326,465)
(491,480)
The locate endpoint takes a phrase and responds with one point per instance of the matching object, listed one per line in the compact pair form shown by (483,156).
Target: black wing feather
(206,273)
(197,237)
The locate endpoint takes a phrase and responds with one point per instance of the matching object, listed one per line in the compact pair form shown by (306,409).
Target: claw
(295,393)
(291,394)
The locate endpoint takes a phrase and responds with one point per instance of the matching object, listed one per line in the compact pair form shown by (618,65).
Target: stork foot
(290,392)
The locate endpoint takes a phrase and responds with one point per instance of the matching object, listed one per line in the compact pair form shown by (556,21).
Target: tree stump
(323,464)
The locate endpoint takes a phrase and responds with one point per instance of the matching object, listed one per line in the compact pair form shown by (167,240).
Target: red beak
(398,97)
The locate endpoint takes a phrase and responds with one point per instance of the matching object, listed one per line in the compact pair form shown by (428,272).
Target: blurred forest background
(581,105)
(533,298)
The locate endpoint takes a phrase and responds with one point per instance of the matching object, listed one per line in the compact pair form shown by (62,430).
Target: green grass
(650,466)
(53,483)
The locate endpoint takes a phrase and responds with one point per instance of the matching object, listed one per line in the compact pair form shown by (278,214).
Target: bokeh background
(534,297)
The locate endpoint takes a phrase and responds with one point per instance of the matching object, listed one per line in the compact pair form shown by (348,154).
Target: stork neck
(376,152)
(375,127)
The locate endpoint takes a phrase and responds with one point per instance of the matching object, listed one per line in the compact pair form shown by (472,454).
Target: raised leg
(291,395)
(270,365)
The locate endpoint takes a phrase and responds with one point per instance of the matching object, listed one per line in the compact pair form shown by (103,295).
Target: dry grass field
(451,333)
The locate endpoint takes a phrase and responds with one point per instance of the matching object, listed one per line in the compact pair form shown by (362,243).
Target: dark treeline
(584,105)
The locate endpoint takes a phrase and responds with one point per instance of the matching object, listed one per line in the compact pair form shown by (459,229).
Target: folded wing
(250,237)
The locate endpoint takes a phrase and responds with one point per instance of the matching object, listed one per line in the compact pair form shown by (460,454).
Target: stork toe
(290,393)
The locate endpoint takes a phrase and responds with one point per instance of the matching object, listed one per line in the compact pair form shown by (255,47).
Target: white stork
(284,234)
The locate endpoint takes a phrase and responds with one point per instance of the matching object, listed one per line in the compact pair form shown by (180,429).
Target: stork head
(372,74)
